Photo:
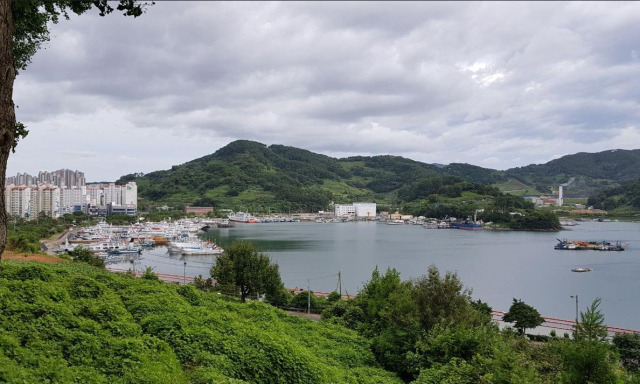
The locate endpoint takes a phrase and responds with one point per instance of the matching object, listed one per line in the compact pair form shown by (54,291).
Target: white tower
(560,196)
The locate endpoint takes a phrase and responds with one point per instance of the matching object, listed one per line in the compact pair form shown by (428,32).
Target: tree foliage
(628,346)
(591,326)
(241,270)
(523,315)
(24,27)
(397,314)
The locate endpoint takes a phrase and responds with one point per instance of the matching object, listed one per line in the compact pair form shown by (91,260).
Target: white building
(73,196)
(94,195)
(29,202)
(344,210)
(129,193)
(17,200)
(50,201)
(365,209)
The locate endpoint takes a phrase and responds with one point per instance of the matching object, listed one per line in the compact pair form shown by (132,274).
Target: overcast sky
(498,85)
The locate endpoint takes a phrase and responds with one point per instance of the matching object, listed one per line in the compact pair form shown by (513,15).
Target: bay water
(497,265)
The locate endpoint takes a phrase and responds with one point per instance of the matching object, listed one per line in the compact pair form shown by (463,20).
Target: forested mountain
(475,174)
(624,197)
(252,176)
(583,173)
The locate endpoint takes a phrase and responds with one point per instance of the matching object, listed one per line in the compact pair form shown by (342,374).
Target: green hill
(622,199)
(71,323)
(584,173)
(246,175)
(250,175)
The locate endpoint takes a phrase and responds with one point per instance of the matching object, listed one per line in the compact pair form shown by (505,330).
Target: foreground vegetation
(429,330)
(74,323)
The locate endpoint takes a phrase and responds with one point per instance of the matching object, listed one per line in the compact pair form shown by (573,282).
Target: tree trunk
(7,110)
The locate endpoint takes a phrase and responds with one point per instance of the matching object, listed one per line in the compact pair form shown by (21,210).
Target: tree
(242,270)
(523,315)
(24,27)
(591,326)
(628,346)
(443,299)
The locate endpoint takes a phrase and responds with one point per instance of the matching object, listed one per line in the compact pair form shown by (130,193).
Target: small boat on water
(581,269)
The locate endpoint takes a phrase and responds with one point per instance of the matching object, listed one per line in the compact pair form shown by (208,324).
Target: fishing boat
(581,269)
(242,217)
(467,225)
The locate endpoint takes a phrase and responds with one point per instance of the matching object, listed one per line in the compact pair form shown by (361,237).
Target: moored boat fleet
(108,241)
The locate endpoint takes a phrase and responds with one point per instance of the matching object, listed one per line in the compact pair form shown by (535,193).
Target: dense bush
(73,323)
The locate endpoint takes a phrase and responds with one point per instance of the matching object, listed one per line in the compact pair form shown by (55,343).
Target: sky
(498,85)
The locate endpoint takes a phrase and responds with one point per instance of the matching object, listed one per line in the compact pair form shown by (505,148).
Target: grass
(515,187)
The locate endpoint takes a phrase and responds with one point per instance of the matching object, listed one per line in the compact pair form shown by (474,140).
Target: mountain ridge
(248,172)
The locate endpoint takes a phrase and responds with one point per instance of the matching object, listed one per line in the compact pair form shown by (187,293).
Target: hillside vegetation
(246,175)
(73,323)
(252,176)
(622,199)
(584,173)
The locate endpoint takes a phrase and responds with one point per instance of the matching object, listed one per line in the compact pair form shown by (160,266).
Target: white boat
(203,251)
(194,248)
(582,269)
(242,217)
(106,246)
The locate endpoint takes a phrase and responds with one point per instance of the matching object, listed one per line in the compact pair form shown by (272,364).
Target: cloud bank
(494,84)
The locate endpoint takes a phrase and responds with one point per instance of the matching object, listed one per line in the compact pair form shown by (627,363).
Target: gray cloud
(492,84)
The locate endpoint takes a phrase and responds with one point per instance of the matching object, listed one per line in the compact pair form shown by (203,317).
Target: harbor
(497,265)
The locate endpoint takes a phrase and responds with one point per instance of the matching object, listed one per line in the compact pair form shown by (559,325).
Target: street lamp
(576,297)
(184,273)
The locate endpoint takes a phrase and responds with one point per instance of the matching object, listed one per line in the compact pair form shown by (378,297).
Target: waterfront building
(365,209)
(341,210)
(355,209)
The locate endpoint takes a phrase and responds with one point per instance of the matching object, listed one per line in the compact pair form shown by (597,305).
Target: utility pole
(576,297)
(340,283)
(308,298)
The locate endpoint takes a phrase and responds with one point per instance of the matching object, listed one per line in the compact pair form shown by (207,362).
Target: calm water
(497,265)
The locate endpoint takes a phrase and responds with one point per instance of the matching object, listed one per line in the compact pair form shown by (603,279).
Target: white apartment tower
(50,201)
(73,196)
(129,194)
(17,200)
